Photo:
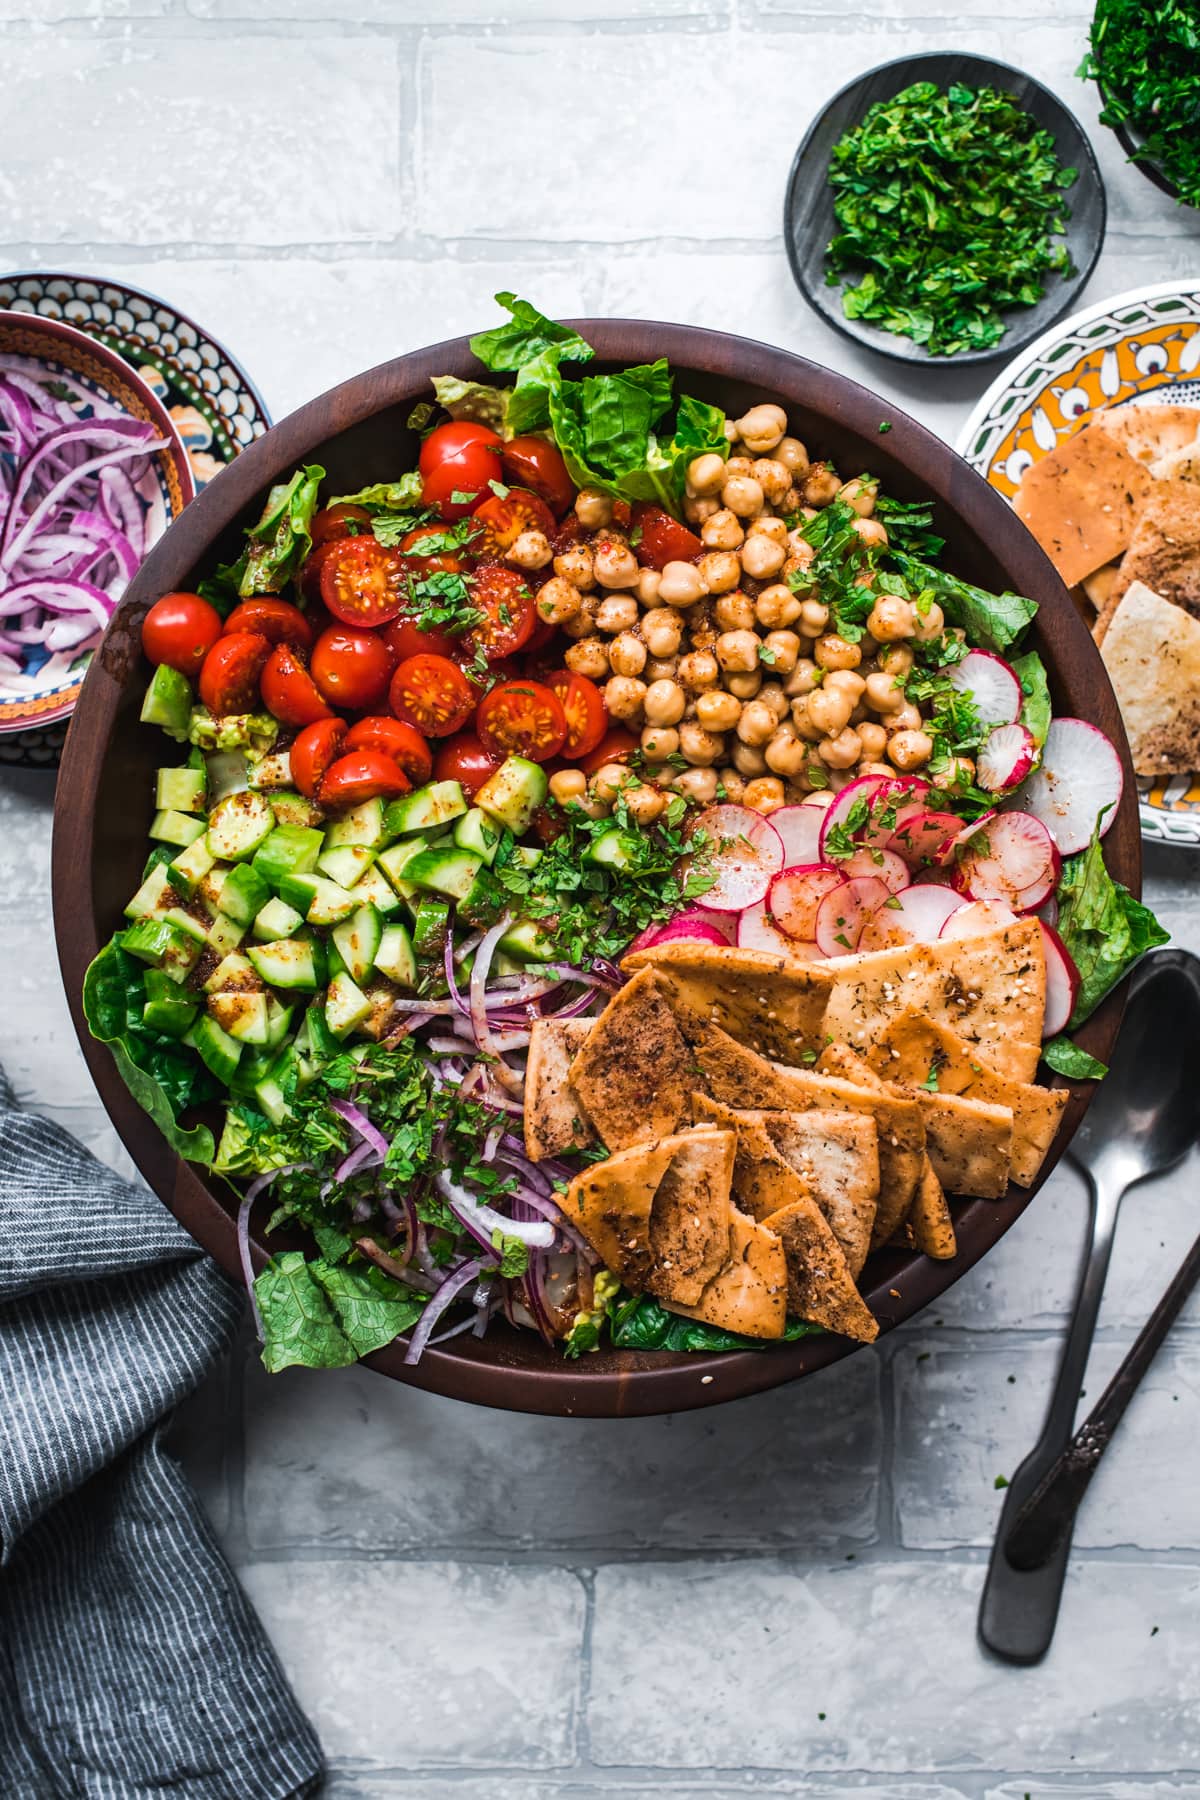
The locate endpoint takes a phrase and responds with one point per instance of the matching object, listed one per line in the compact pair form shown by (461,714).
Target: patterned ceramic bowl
(33,698)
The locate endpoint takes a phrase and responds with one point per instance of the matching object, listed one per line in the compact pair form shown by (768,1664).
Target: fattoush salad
(611,875)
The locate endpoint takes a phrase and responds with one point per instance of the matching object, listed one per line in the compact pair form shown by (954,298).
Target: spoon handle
(1019,1607)
(1051,1509)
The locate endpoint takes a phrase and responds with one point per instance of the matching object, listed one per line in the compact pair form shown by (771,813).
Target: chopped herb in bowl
(1145,59)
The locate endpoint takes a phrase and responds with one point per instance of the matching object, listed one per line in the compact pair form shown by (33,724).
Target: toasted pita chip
(555,1119)
(610,1203)
(690,1214)
(1164,551)
(929,1227)
(991,990)
(632,1073)
(1147,432)
(1082,501)
(749,1294)
(820,1286)
(1099,586)
(1151,649)
(773,1004)
(912,1046)
(1179,465)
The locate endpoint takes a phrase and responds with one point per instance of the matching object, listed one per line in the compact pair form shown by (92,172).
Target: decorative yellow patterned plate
(1141,346)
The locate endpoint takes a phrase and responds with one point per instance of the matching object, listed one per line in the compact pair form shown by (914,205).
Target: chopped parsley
(441,601)
(1145,59)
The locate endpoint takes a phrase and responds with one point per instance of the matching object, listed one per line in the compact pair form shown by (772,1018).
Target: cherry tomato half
(417,561)
(431,694)
(275,619)
(522,718)
(404,638)
(617,745)
(363,775)
(361,582)
(312,752)
(351,668)
(288,690)
(465,760)
(310,574)
(229,678)
(584,709)
(537,464)
(501,522)
(343,520)
(460,457)
(658,539)
(180,630)
(406,747)
(505,599)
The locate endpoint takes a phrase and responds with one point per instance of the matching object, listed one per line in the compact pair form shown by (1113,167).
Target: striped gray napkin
(131,1663)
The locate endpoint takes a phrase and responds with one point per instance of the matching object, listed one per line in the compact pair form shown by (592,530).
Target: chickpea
(895,660)
(722,531)
(814,617)
(742,495)
(757,724)
(718,711)
(842,751)
(734,612)
(802,680)
(744,686)
(820,485)
(871,533)
(875,768)
(929,625)
(558,601)
(812,734)
(608,782)
(764,795)
(648,583)
(905,718)
(800,548)
(792,501)
(731,785)
(721,571)
(700,747)
(618,613)
(731,432)
(702,633)
(568,785)
(828,712)
(697,784)
(792,454)
(958,768)
(587,657)
(783,648)
(882,694)
(860,494)
(773,478)
(575,566)
(833,652)
(910,749)
(698,671)
(776,607)
(771,694)
(762,427)
(706,474)
(659,742)
(624,695)
(645,803)
(785,754)
(614,563)
(664,703)
(662,630)
(530,551)
(738,465)
(737,652)
(681,584)
(761,557)
(626,654)
(593,508)
(584,622)
(873,739)
(748,760)
(696,510)
(891,619)
(846,681)
(660,668)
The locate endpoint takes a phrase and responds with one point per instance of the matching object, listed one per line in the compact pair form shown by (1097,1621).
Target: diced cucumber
(279,1021)
(277,920)
(447,870)
(395,860)
(357,939)
(430,806)
(527,941)
(163,945)
(345,863)
(207,892)
(186,870)
(225,934)
(161,853)
(244,893)
(168,702)
(238,825)
(269,1091)
(271,772)
(187,922)
(477,833)
(180,790)
(345,1006)
(394,957)
(176,828)
(513,794)
(232,973)
(375,889)
(610,850)
(322,901)
(526,856)
(381,997)
(243,1016)
(290,963)
(216,1049)
(168,1008)
(361,825)
(225,773)
(334,962)
(290,850)
(296,811)
(431,923)
(478,904)
(322,1043)
(155,893)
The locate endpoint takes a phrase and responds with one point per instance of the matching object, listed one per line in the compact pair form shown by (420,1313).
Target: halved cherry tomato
(465,760)
(431,694)
(406,747)
(351,668)
(310,573)
(658,539)
(522,718)
(569,533)
(501,522)
(342,520)
(505,599)
(180,630)
(363,775)
(361,582)
(312,752)
(275,619)
(404,638)
(617,745)
(230,675)
(288,690)
(584,709)
(460,458)
(417,562)
(541,635)
(537,464)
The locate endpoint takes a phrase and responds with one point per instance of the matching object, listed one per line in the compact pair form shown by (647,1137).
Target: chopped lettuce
(324,1315)
(387,496)
(1105,930)
(1030,671)
(1067,1058)
(279,543)
(474,400)
(640,1323)
(993,621)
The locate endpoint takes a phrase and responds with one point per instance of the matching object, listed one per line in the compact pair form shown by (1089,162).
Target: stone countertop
(774,1598)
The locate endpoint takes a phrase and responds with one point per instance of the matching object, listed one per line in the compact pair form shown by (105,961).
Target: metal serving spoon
(1143,1121)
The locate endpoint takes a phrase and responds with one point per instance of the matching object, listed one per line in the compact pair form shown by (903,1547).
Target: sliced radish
(1015,860)
(757,930)
(822,800)
(1007,757)
(914,917)
(924,838)
(744,851)
(1079,777)
(699,930)
(845,911)
(1048,911)
(800,829)
(978,917)
(992,683)
(1062,982)
(891,869)
(867,788)
(795,896)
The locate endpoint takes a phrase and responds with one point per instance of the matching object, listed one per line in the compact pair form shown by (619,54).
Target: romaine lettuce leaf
(1067,1058)
(992,621)
(279,543)
(1035,707)
(1105,930)
(640,1323)
(387,496)
(526,337)
(323,1315)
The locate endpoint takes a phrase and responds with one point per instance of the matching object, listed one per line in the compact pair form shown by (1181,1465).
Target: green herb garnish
(1145,59)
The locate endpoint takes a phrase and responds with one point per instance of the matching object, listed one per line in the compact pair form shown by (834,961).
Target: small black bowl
(809,224)
(1131,141)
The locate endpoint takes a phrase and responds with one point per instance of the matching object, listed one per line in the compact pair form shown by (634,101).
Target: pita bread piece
(690,1214)
(991,990)
(633,1073)
(773,1004)
(1151,649)
(1148,433)
(1164,551)
(1179,465)
(554,1116)
(929,1227)
(749,1294)
(820,1287)
(610,1203)
(1082,501)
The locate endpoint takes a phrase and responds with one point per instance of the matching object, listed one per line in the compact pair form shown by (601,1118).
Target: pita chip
(632,1073)
(929,1227)
(749,1293)
(820,1286)
(1179,465)
(1151,649)
(690,1214)
(772,1004)
(1164,551)
(1082,502)
(610,1203)
(1148,433)
(555,1119)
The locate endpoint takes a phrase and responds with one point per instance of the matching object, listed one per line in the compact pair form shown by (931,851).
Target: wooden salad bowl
(358,431)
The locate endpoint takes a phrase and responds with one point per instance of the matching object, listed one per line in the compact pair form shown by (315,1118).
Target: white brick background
(771,1599)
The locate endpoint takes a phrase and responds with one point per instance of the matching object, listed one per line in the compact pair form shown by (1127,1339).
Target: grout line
(585,1559)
